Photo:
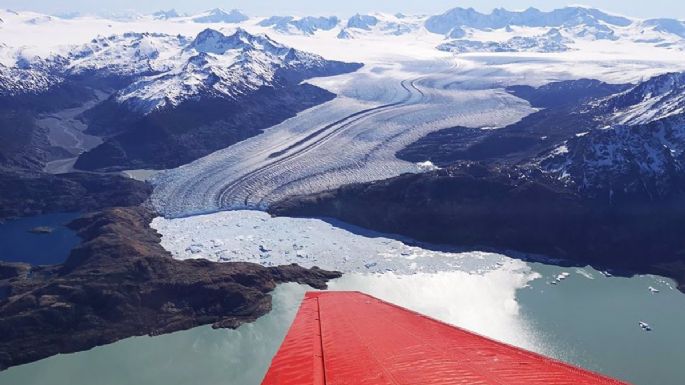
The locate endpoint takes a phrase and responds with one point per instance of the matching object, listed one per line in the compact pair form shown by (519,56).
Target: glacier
(391,102)
(407,88)
(380,110)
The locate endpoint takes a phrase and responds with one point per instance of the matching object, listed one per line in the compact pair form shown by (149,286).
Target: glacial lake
(586,319)
(18,243)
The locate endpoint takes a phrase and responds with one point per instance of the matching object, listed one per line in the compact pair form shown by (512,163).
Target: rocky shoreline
(26,193)
(475,206)
(119,283)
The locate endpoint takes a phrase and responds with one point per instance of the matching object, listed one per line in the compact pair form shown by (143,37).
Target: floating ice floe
(562,276)
(254,236)
(645,326)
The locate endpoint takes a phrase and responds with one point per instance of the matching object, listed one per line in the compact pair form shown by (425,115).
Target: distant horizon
(261,8)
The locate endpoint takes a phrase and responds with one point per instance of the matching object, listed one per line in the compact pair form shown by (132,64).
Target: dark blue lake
(18,243)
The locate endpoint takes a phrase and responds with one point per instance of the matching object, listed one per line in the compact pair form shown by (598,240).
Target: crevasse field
(406,89)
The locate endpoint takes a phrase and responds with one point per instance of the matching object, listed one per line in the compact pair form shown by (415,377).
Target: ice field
(398,96)
(353,138)
(254,236)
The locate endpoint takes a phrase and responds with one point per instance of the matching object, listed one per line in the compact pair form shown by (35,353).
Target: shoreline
(119,282)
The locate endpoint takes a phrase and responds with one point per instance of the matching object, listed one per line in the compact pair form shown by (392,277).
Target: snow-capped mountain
(130,54)
(121,56)
(365,22)
(214,64)
(624,159)
(379,24)
(465,30)
(218,15)
(670,26)
(165,15)
(655,99)
(533,30)
(551,41)
(640,149)
(354,27)
(22,73)
(16,81)
(161,100)
(11,17)
(165,70)
(305,25)
(531,17)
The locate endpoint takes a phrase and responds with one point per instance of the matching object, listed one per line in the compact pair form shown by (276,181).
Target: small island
(42,230)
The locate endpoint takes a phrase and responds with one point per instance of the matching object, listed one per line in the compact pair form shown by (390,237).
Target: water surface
(19,244)
(592,321)
(587,319)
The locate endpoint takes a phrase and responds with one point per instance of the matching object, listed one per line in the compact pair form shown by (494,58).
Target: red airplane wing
(349,338)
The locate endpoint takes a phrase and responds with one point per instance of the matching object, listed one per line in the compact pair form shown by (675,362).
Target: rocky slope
(602,140)
(120,283)
(568,182)
(172,137)
(27,193)
(550,41)
(173,98)
(654,99)
(531,17)
(307,25)
(562,116)
(473,205)
(636,146)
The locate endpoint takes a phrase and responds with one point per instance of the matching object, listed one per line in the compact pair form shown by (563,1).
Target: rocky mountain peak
(218,15)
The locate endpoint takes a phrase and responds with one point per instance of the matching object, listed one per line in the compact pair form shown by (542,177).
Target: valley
(457,164)
(332,144)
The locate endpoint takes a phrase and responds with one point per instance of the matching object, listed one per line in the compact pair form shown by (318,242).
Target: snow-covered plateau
(421,74)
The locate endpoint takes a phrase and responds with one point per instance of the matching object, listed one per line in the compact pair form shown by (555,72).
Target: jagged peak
(650,100)
(532,17)
(362,21)
(221,11)
(307,25)
(219,15)
(168,14)
(667,82)
(213,41)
